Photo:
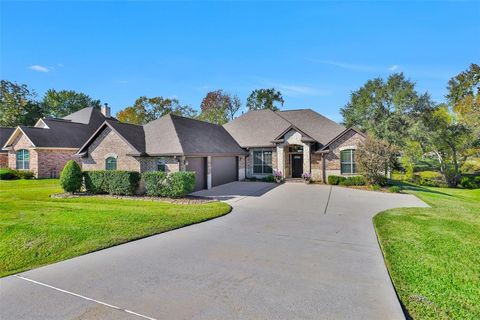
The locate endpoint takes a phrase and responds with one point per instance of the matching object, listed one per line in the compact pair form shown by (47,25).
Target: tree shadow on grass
(414,187)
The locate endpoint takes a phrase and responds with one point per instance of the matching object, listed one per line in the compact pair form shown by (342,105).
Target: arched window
(347,159)
(161,165)
(111,163)
(23,159)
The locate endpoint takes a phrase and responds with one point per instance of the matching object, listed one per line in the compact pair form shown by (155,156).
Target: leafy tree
(265,99)
(147,109)
(464,96)
(71,177)
(18,105)
(219,107)
(387,109)
(61,103)
(375,157)
(449,140)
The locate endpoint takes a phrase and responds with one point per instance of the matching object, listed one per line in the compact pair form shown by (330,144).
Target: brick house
(46,147)
(253,145)
(5,133)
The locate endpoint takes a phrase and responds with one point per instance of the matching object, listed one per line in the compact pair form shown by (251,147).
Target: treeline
(411,124)
(20,105)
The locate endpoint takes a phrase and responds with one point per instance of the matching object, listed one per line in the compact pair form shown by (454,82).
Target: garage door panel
(198,165)
(224,170)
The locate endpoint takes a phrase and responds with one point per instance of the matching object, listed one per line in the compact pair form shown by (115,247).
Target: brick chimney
(106,110)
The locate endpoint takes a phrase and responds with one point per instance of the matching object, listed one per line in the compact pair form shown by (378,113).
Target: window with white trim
(347,162)
(111,163)
(262,162)
(23,159)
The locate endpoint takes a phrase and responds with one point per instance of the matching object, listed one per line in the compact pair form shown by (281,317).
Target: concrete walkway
(281,254)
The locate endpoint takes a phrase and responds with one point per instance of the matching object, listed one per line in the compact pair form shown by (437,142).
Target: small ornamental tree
(374,158)
(71,177)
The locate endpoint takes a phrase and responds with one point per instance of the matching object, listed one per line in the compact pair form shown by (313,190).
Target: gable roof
(341,134)
(176,135)
(173,135)
(5,133)
(313,124)
(62,133)
(260,127)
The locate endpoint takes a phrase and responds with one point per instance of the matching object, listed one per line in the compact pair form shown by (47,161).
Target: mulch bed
(184,200)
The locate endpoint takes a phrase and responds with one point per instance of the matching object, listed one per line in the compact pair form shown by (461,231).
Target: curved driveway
(278,255)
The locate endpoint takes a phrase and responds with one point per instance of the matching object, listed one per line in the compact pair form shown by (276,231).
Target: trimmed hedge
(71,177)
(10,174)
(353,181)
(174,185)
(114,182)
(155,183)
(469,182)
(335,180)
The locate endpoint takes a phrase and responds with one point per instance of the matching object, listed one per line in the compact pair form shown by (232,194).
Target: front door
(297,165)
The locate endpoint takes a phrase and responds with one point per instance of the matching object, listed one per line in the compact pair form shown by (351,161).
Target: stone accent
(209,172)
(250,162)
(332,160)
(316,165)
(241,168)
(293,137)
(3,159)
(106,144)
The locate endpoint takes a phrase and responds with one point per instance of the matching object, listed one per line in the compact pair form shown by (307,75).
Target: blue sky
(315,53)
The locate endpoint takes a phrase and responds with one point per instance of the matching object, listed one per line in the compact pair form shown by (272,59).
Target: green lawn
(36,230)
(433,254)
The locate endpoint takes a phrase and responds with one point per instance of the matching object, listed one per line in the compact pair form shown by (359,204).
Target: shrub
(25,174)
(269,178)
(429,179)
(95,181)
(353,181)
(374,158)
(181,183)
(122,182)
(375,187)
(8,174)
(394,189)
(335,180)
(469,182)
(155,183)
(71,177)
(112,182)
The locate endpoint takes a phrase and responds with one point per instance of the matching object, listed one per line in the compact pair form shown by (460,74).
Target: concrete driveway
(292,252)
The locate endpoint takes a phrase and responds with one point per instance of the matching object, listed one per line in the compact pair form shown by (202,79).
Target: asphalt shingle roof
(5,133)
(260,128)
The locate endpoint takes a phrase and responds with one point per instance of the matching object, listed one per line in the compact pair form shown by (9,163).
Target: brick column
(306,157)
(209,172)
(280,160)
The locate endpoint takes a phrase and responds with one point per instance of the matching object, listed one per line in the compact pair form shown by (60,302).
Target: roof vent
(106,110)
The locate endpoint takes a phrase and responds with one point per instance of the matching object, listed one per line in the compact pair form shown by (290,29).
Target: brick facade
(3,160)
(250,162)
(151,164)
(351,140)
(44,163)
(110,144)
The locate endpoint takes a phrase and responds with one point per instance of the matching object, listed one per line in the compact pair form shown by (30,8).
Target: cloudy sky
(315,53)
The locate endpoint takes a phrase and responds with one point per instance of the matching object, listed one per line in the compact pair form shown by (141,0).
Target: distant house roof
(69,132)
(260,128)
(174,135)
(5,133)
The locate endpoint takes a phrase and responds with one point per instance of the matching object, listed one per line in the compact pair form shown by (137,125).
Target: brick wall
(3,160)
(316,166)
(52,161)
(151,164)
(332,160)
(107,144)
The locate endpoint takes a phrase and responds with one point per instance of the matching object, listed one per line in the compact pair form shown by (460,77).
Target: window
(347,162)
(161,166)
(23,159)
(262,162)
(111,163)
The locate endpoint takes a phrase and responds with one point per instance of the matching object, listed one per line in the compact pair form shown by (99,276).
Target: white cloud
(393,68)
(39,68)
